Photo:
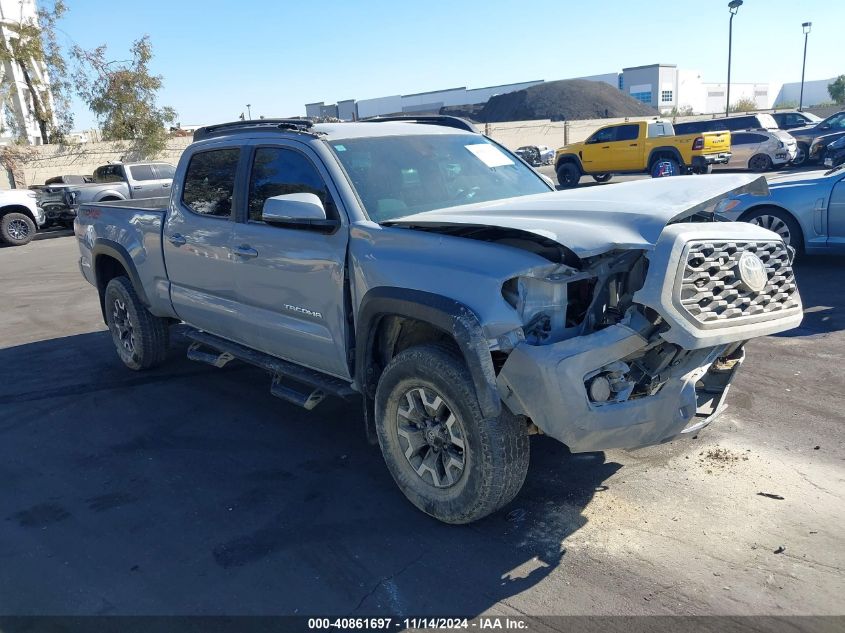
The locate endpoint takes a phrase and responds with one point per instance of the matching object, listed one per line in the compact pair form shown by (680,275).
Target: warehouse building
(665,87)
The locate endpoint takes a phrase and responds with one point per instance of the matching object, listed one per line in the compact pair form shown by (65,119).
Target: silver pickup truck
(115,181)
(426,268)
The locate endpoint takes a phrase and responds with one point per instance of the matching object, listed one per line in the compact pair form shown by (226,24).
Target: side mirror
(297,210)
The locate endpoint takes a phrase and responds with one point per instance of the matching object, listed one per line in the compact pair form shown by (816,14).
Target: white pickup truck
(20,216)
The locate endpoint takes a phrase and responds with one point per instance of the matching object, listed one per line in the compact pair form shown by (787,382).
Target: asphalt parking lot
(191,490)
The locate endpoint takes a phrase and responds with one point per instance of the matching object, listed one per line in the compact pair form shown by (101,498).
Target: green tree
(122,94)
(836,90)
(744,105)
(32,46)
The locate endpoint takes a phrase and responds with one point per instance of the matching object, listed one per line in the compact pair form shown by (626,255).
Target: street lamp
(733,7)
(248,111)
(806,26)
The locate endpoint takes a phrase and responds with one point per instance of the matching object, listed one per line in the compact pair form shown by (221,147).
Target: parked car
(20,216)
(806,209)
(646,146)
(806,135)
(739,123)
(818,148)
(428,269)
(788,119)
(760,150)
(51,197)
(536,155)
(118,181)
(835,153)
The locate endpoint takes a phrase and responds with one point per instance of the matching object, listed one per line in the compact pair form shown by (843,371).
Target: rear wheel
(140,338)
(17,229)
(602,177)
(665,166)
(568,175)
(781,223)
(447,458)
(760,163)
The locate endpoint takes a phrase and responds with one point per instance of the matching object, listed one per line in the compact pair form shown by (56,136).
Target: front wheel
(140,338)
(602,177)
(802,152)
(17,229)
(568,175)
(663,167)
(781,223)
(447,458)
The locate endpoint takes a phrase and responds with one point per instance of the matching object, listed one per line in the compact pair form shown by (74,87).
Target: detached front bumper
(667,375)
(549,385)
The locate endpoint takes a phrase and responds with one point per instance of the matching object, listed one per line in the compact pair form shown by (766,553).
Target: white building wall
(379,105)
(815,92)
(763,95)
(17,100)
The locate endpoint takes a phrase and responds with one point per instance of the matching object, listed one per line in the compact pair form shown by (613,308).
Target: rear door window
(627,132)
(109,173)
(210,182)
(165,171)
(142,172)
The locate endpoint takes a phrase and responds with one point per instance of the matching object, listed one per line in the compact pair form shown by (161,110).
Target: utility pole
(733,7)
(806,26)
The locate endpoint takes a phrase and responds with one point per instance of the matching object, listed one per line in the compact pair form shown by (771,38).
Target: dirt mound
(568,99)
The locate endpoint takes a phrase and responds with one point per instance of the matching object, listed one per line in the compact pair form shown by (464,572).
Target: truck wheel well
(17,208)
(107,268)
(395,334)
(660,154)
(569,158)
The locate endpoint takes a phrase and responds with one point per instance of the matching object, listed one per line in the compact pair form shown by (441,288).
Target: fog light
(599,389)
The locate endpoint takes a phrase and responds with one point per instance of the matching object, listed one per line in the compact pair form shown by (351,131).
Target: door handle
(632,145)
(136,187)
(177,239)
(165,185)
(246,251)
(605,146)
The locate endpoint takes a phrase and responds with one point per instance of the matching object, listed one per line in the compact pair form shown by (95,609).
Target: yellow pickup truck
(641,147)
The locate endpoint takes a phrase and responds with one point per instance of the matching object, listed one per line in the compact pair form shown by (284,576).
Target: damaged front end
(634,348)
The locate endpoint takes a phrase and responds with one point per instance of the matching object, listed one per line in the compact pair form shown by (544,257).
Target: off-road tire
(496,451)
(768,218)
(150,335)
(17,229)
(674,167)
(568,175)
(602,177)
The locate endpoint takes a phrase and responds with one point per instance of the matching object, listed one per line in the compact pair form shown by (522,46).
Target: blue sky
(217,56)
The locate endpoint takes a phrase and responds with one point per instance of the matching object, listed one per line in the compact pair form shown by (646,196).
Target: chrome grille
(712,292)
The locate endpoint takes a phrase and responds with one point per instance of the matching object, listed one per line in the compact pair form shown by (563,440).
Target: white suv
(20,216)
(760,150)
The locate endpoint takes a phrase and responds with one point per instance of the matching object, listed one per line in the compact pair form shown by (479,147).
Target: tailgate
(716,142)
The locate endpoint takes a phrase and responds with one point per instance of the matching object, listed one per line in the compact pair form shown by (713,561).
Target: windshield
(396,176)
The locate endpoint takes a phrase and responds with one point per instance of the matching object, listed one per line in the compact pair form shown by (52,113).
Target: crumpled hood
(593,220)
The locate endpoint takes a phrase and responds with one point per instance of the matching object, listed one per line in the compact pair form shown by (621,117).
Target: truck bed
(129,231)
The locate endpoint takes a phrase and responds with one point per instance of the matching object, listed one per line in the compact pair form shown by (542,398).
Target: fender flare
(109,194)
(449,315)
(668,149)
(569,158)
(103,246)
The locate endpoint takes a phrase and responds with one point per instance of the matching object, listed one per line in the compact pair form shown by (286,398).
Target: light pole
(806,26)
(733,7)
(248,111)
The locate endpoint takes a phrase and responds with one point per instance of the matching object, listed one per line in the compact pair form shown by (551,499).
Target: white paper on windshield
(490,155)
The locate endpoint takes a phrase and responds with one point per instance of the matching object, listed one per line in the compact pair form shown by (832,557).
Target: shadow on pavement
(191,490)
(820,284)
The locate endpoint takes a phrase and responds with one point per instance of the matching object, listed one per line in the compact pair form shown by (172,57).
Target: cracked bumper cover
(546,383)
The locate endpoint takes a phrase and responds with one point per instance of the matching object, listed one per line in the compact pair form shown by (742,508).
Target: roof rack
(428,119)
(301,125)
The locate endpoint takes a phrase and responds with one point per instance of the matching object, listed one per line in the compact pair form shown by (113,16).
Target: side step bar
(312,387)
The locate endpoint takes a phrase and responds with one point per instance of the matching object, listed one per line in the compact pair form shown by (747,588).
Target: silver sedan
(807,209)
